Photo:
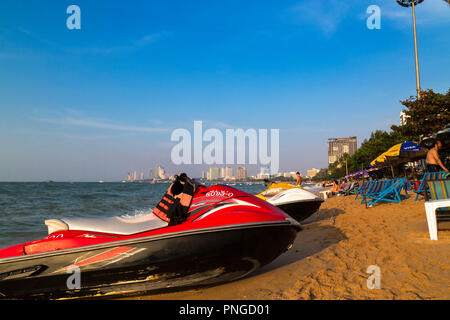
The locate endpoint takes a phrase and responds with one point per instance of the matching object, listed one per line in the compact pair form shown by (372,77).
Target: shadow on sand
(323,214)
(312,239)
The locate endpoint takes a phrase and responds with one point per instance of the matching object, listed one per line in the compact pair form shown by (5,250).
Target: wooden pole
(346,168)
(415,52)
(364,191)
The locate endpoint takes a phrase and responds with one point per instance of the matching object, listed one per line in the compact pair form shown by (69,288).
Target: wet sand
(331,255)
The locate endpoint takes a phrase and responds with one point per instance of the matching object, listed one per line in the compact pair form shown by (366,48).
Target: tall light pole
(413,3)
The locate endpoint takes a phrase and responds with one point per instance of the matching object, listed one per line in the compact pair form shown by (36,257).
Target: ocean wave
(136,214)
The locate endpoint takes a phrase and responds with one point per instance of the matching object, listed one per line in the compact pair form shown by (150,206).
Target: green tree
(425,116)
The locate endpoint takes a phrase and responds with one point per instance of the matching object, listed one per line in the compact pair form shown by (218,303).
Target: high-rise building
(160,172)
(214,173)
(338,146)
(228,173)
(241,173)
(403,118)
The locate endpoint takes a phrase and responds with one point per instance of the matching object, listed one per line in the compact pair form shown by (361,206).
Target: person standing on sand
(434,163)
(335,188)
(299,179)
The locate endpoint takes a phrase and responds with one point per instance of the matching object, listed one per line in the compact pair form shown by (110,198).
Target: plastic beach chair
(437,205)
(427,177)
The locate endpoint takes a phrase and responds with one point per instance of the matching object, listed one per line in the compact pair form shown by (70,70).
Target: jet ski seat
(113,225)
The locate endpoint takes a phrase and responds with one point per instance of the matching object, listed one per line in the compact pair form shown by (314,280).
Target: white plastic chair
(439,194)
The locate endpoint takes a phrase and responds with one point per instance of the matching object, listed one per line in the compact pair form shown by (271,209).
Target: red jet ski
(225,234)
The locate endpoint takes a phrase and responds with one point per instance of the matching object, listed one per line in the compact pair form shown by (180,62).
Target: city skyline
(215,173)
(94,103)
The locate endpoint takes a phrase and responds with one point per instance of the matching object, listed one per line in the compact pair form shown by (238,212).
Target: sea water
(25,205)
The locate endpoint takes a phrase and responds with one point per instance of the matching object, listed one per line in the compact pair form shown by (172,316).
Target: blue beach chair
(391,192)
(367,185)
(378,187)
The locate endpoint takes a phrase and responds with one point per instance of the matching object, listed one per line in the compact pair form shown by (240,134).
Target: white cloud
(327,15)
(127,47)
(100,125)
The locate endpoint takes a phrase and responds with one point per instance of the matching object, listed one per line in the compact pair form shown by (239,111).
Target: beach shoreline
(331,256)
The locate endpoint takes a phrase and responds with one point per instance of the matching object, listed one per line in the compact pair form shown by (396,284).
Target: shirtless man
(299,179)
(434,163)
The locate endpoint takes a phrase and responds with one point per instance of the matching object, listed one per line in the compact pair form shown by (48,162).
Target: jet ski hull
(146,265)
(296,202)
(300,210)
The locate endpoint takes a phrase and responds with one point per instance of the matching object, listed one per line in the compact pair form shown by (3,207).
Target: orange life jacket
(174,208)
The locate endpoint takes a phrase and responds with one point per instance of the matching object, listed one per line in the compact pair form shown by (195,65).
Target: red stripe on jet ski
(103,256)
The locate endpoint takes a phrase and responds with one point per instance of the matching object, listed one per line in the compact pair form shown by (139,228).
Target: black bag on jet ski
(174,206)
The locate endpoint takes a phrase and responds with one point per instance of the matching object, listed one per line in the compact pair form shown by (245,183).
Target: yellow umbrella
(402,152)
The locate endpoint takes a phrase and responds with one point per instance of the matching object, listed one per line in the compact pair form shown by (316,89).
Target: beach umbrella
(402,152)
(443,135)
(428,142)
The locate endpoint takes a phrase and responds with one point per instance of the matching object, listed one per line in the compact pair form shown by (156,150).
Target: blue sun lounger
(386,191)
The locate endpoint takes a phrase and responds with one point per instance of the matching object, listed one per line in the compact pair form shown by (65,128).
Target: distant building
(264,173)
(291,174)
(241,173)
(214,173)
(403,118)
(338,146)
(226,173)
(160,172)
(311,173)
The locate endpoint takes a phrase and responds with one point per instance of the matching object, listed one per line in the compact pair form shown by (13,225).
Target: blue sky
(96,103)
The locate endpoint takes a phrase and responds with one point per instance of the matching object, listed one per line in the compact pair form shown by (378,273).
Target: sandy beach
(331,255)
